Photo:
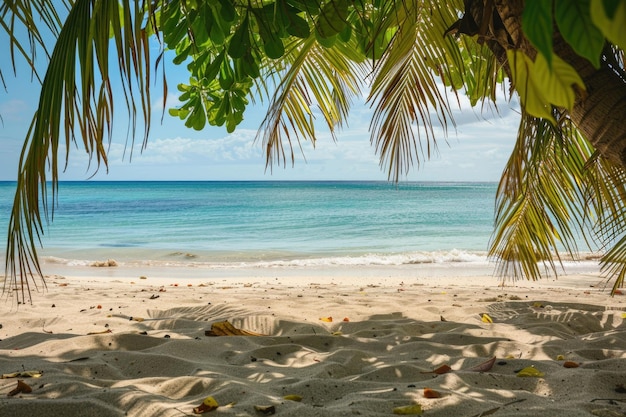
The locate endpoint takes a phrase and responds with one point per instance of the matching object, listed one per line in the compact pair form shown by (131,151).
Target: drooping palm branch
(555,194)
(75,105)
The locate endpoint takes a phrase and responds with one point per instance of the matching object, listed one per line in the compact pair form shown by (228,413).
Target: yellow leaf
(486,319)
(530,372)
(208,404)
(624,315)
(23,374)
(224,328)
(556,83)
(293,397)
(531,98)
(326,319)
(560,357)
(541,85)
(414,409)
(612,29)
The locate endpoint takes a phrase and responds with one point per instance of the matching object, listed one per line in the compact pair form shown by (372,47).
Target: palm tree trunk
(599,112)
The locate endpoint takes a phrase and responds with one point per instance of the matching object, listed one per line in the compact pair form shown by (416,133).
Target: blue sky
(476,150)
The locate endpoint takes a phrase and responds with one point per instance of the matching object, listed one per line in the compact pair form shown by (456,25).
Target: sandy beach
(114,342)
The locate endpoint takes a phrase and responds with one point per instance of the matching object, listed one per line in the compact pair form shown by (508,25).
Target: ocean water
(267,224)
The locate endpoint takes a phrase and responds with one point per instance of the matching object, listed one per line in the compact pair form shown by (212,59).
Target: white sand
(399,328)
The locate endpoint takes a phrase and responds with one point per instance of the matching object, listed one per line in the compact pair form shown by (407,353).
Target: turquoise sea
(267,224)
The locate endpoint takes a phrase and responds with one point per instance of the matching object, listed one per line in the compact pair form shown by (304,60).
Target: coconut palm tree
(564,59)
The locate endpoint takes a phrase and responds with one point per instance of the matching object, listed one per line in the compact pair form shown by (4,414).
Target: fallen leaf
(346,319)
(414,409)
(443,369)
(431,393)
(22,387)
(293,397)
(530,372)
(328,319)
(209,404)
(483,367)
(485,318)
(224,328)
(23,374)
(560,357)
(570,364)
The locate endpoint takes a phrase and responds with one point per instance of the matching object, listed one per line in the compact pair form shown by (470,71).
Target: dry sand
(129,346)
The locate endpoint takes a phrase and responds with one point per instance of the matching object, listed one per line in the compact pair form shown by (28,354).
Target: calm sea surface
(267,222)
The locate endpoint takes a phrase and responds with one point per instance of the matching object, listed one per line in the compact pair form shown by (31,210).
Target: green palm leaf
(76,106)
(405,89)
(545,204)
(316,76)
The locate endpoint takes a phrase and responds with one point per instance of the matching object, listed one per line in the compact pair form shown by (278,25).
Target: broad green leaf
(610,7)
(332,19)
(274,47)
(272,44)
(557,84)
(227,10)
(298,27)
(612,28)
(250,65)
(325,42)
(540,86)
(227,77)
(577,28)
(530,96)
(537,25)
(214,68)
(182,55)
(346,34)
(240,41)
(311,7)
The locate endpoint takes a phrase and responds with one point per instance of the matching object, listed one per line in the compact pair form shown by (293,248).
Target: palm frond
(607,193)
(541,205)
(405,90)
(22,16)
(315,77)
(76,102)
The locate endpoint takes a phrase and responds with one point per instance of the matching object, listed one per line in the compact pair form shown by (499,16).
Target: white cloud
(15,111)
